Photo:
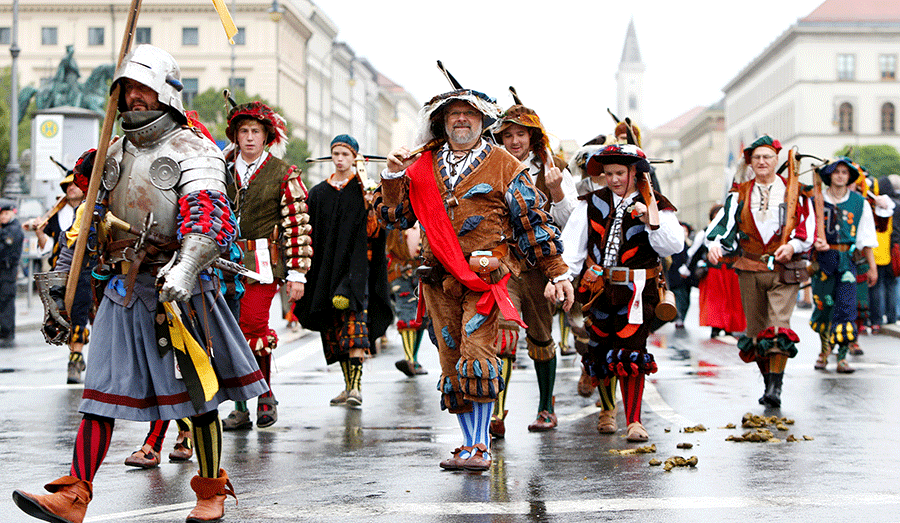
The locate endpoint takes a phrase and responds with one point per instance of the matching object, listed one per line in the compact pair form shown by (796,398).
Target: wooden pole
(99,162)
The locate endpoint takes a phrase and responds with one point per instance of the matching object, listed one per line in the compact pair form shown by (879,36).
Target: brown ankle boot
(210,497)
(67,502)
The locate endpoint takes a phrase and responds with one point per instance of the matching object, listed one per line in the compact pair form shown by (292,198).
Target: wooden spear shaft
(99,162)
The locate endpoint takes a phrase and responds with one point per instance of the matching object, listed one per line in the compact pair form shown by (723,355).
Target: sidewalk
(28,318)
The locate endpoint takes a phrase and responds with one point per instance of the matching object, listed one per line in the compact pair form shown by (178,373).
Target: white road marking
(343,512)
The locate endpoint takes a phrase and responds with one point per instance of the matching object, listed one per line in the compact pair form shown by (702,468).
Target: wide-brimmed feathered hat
(272,121)
(827,170)
(431,116)
(620,154)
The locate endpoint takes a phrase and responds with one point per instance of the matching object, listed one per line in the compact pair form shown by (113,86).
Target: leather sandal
(183,449)
(237,420)
(497,428)
(637,433)
(545,421)
(477,462)
(142,459)
(606,422)
(266,418)
(821,361)
(341,399)
(455,462)
(844,368)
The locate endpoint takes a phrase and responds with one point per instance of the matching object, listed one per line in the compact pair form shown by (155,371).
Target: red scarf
(426,200)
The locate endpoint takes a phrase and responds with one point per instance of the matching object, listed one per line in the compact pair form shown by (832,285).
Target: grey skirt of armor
(126,377)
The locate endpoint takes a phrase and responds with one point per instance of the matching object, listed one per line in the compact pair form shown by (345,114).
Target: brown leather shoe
(143,459)
(341,399)
(545,421)
(406,367)
(606,422)
(480,460)
(67,503)
(184,451)
(637,433)
(585,384)
(497,428)
(210,497)
(455,462)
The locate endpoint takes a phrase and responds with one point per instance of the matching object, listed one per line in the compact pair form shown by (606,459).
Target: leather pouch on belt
(483,263)
(593,279)
(792,272)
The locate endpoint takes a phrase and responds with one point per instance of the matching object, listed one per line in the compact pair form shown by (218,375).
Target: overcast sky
(562,55)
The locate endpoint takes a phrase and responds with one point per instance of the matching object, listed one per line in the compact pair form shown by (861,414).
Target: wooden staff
(819,205)
(791,198)
(99,161)
(42,221)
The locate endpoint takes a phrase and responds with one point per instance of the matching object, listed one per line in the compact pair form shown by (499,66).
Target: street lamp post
(13,186)
(276,11)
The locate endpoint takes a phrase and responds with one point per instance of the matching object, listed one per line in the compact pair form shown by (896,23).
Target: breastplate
(148,176)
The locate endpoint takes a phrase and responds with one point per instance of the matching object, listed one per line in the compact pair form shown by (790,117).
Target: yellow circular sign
(49,129)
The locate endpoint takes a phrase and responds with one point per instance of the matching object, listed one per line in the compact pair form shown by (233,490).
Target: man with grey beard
(473,200)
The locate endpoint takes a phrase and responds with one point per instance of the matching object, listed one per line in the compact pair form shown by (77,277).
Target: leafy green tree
(212,109)
(24,126)
(877,160)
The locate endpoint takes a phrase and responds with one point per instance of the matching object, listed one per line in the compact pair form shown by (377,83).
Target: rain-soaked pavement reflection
(379,462)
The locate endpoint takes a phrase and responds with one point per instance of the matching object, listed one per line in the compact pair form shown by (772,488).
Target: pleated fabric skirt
(126,376)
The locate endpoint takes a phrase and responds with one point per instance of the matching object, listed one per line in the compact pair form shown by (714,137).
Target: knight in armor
(474,201)
(615,248)
(270,203)
(522,134)
(747,227)
(850,235)
(161,305)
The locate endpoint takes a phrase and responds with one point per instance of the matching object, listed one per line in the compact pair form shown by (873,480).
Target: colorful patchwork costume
(617,258)
(274,235)
(485,200)
(849,230)
(747,226)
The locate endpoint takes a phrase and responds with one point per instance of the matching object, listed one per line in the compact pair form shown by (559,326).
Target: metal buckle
(612,272)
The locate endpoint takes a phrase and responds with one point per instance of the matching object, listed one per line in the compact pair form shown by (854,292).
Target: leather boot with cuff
(211,494)
(66,503)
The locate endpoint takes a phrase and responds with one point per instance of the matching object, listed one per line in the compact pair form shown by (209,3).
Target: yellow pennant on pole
(227,21)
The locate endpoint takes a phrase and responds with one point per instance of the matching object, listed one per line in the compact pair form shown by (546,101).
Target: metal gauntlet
(51,288)
(198,252)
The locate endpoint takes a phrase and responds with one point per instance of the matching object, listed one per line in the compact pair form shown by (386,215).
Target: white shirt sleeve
(574,239)
(296,276)
(561,210)
(810,225)
(865,234)
(387,175)
(669,238)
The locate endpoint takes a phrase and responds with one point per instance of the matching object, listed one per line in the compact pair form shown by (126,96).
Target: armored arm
(206,225)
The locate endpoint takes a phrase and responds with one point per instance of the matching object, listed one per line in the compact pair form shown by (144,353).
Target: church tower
(630,80)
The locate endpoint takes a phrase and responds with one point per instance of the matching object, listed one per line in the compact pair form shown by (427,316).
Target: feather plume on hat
(274,123)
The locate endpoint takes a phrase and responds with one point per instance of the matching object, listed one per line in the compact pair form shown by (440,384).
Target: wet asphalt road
(379,463)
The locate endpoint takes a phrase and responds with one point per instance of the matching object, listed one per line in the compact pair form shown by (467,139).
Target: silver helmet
(156,69)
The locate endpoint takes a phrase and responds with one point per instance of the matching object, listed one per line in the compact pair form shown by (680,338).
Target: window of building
(48,36)
(888,65)
(95,36)
(845,118)
(238,84)
(887,118)
(846,66)
(241,37)
(142,35)
(632,103)
(5,36)
(190,91)
(190,36)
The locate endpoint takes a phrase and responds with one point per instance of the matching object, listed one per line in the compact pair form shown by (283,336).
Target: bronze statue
(66,90)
